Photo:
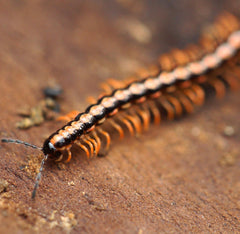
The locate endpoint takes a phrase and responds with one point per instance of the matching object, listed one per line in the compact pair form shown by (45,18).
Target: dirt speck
(68,221)
(230,158)
(3,185)
(229,131)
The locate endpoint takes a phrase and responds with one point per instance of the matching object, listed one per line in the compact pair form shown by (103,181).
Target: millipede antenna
(39,176)
(16,141)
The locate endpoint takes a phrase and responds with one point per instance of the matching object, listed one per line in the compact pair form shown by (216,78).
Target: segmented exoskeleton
(186,78)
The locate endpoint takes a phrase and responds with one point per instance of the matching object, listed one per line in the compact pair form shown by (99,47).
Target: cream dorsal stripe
(107,104)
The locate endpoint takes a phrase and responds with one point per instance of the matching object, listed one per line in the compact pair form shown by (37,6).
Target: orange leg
(186,102)
(94,144)
(145,116)
(177,105)
(166,62)
(107,136)
(219,88)
(128,125)
(136,122)
(97,139)
(84,148)
(196,97)
(90,144)
(116,83)
(59,159)
(69,155)
(199,93)
(155,112)
(229,22)
(194,52)
(171,89)
(191,95)
(232,80)
(185,84)
(117,127)
(91,100)
(180,57)
(168,107)
(143,72)
(68,117)
(106,88)
(112,84)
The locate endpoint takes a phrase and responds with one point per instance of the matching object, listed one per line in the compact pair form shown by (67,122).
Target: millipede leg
(110,84)
(69,116)
(117,127)
(107,136)
(145,116)
(195,94)
(232,80)
(225,29)
(180,57)
(106,88)
(91,100)
(136,122)
(155,112)
(199,93)
(168,107)
(142,73)
(131,121)
(185,84)
(219,88)
(116,83)
(90,144)
(94,143)
(193,52)
(96,137)
(188,106)
(167,62)
(230,22)
(84,148)
(191,95)
(59,159)
(69,155)
(128,125)
(177,105)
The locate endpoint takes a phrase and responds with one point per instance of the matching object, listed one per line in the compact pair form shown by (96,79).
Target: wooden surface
(182,176)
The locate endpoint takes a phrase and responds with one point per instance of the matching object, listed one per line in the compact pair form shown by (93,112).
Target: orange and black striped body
(186,79)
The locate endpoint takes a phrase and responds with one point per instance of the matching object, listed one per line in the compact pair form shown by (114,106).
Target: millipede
(184,80)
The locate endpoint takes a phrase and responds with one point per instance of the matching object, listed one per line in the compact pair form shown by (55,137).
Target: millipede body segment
(184,80)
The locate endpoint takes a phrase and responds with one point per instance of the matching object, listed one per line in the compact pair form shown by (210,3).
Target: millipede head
(49,149)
